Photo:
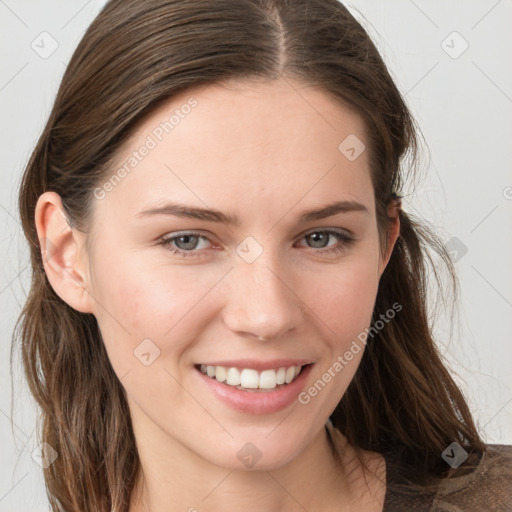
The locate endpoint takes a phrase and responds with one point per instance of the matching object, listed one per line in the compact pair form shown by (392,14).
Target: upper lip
(259,365)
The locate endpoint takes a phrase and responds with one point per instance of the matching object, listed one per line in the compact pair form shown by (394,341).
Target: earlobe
(61,250)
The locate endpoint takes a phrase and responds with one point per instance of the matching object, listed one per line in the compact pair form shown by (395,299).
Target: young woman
(228,308)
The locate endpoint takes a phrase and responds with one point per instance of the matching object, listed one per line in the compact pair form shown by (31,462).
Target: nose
(261,302)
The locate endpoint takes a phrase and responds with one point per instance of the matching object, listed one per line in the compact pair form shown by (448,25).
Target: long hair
(137,54)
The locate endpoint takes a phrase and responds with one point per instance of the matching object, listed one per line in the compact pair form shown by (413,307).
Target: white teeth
(233,377)
(249,378)
(268,379)
(220,373)
(290,374)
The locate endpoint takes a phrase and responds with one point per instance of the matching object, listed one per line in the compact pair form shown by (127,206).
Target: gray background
(462,99)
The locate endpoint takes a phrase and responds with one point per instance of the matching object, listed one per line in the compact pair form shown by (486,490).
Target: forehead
(244,142)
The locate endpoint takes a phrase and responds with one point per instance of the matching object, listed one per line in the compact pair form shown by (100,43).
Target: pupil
(186,240)
(318,238)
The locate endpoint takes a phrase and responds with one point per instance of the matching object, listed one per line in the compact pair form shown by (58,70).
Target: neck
(175,479)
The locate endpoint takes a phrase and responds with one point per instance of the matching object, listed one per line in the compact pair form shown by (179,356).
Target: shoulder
(487,487)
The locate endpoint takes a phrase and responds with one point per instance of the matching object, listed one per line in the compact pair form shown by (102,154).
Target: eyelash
(345,241)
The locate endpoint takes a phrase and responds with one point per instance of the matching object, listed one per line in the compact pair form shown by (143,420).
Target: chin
(258,452)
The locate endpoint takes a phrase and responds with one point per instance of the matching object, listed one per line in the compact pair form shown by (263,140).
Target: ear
(393,233)
(63,253)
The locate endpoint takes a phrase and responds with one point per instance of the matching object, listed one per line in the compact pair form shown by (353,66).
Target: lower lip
(257,402)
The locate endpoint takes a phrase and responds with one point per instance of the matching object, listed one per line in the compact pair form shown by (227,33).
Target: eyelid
(339,231)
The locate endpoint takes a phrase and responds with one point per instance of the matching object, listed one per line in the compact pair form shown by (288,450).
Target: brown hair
(135,55)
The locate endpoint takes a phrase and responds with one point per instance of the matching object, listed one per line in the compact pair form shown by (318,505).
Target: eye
(188,244)
(183,244)
(320,239)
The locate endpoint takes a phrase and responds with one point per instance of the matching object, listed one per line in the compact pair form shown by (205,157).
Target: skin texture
(266,152)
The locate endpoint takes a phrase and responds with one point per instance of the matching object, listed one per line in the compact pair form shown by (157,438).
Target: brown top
(488,488)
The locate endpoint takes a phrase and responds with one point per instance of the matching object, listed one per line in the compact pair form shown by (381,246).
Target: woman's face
(207,243)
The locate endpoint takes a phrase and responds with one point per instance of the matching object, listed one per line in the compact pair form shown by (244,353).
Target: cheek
(162,304)
(345,297)
(344,305)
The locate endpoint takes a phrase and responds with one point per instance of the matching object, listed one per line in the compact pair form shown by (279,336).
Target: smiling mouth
(248,379)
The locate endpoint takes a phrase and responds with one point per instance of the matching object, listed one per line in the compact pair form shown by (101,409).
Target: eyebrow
(212,215)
